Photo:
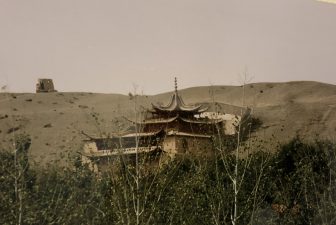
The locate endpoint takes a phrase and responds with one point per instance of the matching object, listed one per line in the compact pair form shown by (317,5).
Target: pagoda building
(182,128)
(166,130)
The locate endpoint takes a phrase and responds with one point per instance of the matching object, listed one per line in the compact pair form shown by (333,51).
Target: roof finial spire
(175,84)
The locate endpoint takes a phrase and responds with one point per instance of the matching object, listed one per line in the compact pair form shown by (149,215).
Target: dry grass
(286,109)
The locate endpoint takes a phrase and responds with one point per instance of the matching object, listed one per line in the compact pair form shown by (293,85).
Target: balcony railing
(123,151)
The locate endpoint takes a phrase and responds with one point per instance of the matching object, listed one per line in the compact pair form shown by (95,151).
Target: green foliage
(300,177)
(255,123)
(7,194)
(16,180)
(300,173)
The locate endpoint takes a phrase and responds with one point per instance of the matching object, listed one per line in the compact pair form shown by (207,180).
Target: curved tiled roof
(177,104)
(171,119)
(157,121)
(202,121)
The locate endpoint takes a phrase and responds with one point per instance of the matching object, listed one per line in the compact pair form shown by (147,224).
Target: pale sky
(109,45)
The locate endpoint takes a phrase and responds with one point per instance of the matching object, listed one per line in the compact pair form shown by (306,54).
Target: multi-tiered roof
(177,105)
(178,118)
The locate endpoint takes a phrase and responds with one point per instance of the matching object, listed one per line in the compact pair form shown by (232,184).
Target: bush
(300,177)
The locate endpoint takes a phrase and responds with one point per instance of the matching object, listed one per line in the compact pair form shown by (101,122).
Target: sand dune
(55,120)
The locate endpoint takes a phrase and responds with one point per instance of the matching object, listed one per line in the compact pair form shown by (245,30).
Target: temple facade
(168,131)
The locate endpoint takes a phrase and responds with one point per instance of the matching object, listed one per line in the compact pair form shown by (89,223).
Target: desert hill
(55,120)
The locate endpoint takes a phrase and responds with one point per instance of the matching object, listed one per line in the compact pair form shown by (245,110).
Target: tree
(17,179)
(300,173)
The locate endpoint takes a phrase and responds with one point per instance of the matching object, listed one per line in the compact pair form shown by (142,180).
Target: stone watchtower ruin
(45,85)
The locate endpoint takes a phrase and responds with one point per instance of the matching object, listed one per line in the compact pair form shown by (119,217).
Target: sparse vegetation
(83,106)
(3,116)
(13,129)
(48,125)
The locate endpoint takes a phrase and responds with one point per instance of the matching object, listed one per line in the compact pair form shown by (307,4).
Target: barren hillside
(55,120)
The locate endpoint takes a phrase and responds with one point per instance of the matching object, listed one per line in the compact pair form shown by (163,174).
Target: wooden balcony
(122,151)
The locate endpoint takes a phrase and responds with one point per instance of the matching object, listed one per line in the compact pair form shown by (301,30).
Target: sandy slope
(55,120)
